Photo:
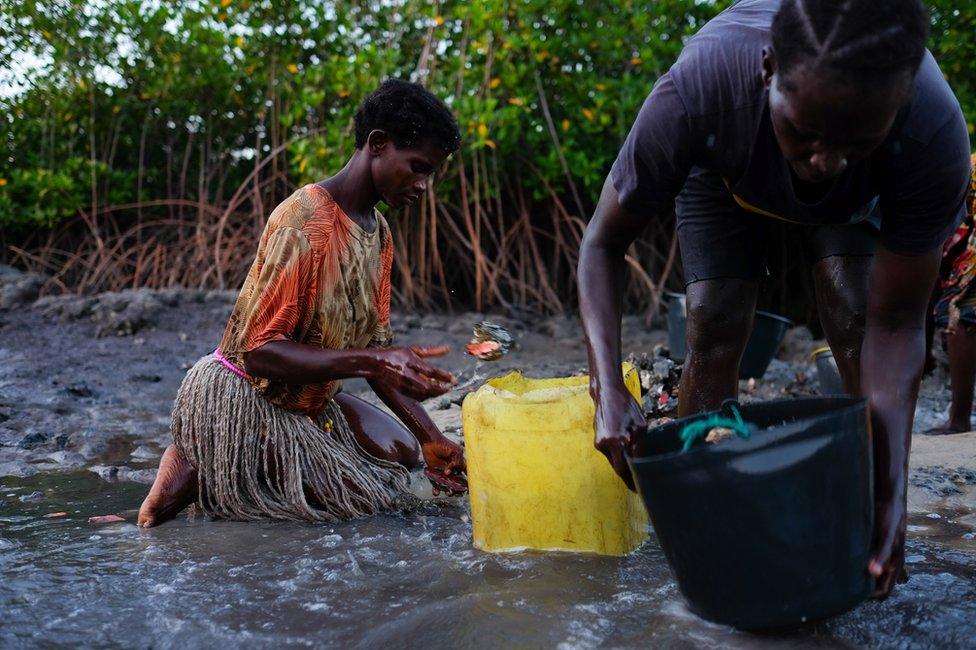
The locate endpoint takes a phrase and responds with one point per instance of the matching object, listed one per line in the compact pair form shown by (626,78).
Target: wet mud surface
(86,386)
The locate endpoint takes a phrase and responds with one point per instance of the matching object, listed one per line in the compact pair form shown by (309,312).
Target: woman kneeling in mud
(260,428)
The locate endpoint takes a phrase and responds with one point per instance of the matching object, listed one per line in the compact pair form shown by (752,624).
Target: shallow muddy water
(411,580)
(81,401)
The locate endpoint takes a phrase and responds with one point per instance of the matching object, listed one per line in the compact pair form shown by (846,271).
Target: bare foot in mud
(175,488)
(948,429)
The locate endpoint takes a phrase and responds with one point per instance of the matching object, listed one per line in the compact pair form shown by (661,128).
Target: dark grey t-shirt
(710,110)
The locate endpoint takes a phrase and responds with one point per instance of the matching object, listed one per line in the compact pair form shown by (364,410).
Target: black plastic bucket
(769,531)
(827,372)
(677,320)
(768,330)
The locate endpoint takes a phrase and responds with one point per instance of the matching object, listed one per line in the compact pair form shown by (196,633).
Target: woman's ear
(768,65)
(377,141)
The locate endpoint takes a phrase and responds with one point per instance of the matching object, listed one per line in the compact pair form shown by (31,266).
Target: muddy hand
(620,426)
(405,370)
(445,466)
(451,486)
(887,563)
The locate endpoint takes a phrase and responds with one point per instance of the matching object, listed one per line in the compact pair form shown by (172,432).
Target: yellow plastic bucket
(534,478)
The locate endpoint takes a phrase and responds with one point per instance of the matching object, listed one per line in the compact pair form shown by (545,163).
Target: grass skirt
(255,460)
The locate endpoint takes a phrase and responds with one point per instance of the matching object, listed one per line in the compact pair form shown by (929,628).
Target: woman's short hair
(410,114)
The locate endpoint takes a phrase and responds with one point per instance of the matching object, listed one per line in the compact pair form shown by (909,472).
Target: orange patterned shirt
(318,279)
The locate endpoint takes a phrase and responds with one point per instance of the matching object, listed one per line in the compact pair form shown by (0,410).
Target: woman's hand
(620,426)
(887,564)
(405,371)
(444,458)
(445,465)
(600,274)
(892,356)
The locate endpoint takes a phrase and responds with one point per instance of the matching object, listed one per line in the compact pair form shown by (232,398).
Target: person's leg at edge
(174,488)
(723,251)
(962,378)
(720,313)
(841,283)
(930,329)
(379,433)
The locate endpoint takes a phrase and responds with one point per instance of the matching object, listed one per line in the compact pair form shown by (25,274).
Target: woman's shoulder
(933,106)
(295,211)
(719,70)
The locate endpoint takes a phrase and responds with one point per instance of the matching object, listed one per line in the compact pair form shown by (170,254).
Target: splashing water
(406,580)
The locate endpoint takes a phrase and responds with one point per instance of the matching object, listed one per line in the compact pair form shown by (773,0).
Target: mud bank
(87,381)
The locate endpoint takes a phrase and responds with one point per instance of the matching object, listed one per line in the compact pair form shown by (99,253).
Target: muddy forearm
(600,275)
(410,411)
(296,363)
(891,371)
(600,278)
(892,357)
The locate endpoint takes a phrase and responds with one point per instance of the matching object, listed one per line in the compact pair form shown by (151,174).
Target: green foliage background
(135,101)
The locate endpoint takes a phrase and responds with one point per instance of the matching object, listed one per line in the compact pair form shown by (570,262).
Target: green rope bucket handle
(700,428)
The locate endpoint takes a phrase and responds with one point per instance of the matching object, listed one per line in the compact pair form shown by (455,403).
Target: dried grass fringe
(236,440)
